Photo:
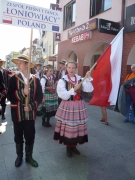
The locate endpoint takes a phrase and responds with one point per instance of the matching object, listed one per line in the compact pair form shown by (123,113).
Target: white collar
(47,77)
(24,78)
(77,76)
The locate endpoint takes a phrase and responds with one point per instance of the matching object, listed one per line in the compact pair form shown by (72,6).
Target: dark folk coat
(17,97)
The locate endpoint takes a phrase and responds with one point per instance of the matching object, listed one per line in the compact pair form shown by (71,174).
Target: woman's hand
(43,100)
(87,74)
(56,83)
(77,87)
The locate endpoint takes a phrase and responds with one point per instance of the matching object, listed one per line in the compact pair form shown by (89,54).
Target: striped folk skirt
(71,128)
(50,105)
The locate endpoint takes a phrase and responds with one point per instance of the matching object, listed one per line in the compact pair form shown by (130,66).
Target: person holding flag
(23,115)
(71,115)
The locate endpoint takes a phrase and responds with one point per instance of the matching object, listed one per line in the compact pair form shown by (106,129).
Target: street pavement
(109,154)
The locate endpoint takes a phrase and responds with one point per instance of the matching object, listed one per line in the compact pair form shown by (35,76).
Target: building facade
(89,26)
(9,64)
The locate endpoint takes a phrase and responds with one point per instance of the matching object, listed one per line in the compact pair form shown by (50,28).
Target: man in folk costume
(62,71)
(4,80)
(71,128)
(23,116)
(59,74)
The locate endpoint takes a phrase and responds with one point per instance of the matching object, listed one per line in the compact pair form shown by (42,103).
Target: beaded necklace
(71,81)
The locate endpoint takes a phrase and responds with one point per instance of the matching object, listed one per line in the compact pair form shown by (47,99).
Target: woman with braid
(71,128)
(50,101)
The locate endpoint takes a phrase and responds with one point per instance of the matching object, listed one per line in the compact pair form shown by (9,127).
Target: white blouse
(43,81)
(65,95)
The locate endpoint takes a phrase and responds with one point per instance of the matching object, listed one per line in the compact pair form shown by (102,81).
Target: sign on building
(29,16)
(57,37)
(108,27)
(130,18)
(52,58)
(82,37)
(88,26)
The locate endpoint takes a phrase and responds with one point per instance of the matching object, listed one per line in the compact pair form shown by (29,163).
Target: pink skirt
(72,112)
(71,128)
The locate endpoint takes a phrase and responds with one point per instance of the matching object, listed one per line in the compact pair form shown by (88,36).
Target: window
(69,15)
(99,6)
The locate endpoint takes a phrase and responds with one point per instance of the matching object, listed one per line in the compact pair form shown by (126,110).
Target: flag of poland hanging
(106,76)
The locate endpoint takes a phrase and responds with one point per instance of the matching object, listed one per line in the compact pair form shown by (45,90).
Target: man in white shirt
(62,72)
(38,70)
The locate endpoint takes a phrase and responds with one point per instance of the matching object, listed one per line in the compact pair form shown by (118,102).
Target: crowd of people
(57,94)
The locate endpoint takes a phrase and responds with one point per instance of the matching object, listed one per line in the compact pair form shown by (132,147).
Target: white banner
(29,16)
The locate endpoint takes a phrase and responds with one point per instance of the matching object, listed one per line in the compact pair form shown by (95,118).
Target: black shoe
(29,152)
(18,161)
(43,122)
(19,151)
(69,153)
(48,122)
(32,162)
(3,118)
(49,125)
(74,149)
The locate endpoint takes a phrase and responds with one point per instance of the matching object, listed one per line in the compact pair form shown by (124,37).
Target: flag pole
(91,69)
(28,76)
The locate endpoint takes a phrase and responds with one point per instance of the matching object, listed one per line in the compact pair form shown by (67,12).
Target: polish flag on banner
(7,20)
(106,76)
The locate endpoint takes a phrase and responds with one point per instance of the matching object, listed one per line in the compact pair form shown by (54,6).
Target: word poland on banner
(106,76)
(29,16)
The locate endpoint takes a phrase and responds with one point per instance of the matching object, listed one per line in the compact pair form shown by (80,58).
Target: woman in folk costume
(130,114)
(71,126)
(50,101)
(4,76)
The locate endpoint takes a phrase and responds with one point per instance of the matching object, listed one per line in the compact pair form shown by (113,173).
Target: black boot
(43,122)
(74,149)
(29,159)
(48,122)
(2,112)
(19,151)
(69,153)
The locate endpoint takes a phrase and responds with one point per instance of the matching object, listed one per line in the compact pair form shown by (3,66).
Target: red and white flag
(106,76)
(7,20)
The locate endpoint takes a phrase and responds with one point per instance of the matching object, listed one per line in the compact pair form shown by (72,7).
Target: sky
(14,38)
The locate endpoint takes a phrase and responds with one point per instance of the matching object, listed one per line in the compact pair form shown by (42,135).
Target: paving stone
(109,154)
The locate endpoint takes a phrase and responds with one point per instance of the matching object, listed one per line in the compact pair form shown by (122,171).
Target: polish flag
(7,20)
(106,76)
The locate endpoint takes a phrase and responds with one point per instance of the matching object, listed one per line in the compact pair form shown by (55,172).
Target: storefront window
(99,6)
(69,15)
